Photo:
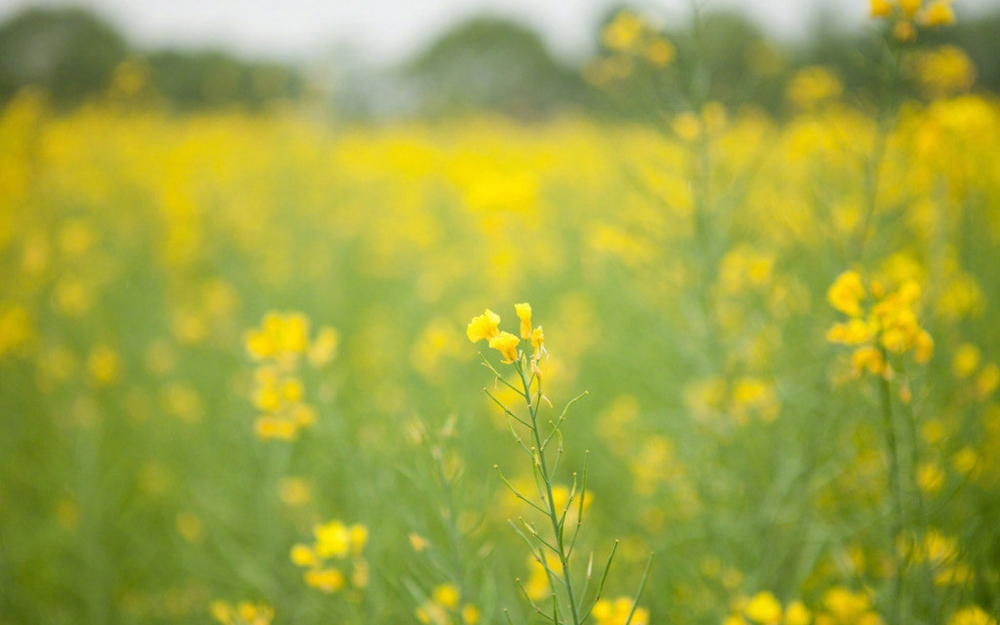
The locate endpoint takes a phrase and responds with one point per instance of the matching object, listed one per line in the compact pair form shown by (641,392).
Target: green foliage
(68,52)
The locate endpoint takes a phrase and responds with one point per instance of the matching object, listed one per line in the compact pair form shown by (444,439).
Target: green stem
(896,494)
(543,468)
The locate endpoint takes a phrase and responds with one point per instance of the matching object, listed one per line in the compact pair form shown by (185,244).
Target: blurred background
(673,187)
(388,59)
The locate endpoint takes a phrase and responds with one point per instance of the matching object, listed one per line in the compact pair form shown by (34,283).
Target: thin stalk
(896,495)
(543,468)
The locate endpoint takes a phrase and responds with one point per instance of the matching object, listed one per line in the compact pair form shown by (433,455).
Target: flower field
(237,382)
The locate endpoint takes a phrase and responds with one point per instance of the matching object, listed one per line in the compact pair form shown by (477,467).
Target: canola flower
(279,346)
(243,613)
(444,607)
(553,553)
(886,326)
(335,560)
(906,15)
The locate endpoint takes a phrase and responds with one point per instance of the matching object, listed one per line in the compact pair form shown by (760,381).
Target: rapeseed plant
(551,549)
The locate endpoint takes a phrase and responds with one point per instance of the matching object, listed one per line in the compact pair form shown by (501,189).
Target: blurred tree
(192,80)
(69,52)
(493,64)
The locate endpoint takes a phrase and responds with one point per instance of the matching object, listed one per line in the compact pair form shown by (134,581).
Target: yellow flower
(104,365)
(302,555)
(446,595)
(924,347)
(904,31)
(333,539)
(507,344)
(483,327)
(972,616)
(797,614)
(869,358)
(623,32)
(910,7)
(538,342)
(660,52)
(524,314)
(470,614)
(881,8)
(846,293)
(327,580)
(939,14)
(854,332)
(764,608)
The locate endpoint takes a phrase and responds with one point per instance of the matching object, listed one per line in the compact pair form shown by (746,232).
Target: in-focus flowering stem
(557,526)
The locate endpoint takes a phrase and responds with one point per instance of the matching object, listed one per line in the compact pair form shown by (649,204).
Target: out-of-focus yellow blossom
(966,360)
(764,608)
(537,586)
(278,390)
(845,607)
(904,31)
(945,71)
(687,126)
(846,293)
(104,365)
(814,85)
(660,52)
(485,326)
(624,32)
(854,332)
(890,326)
(939,13)
(280,336)
(190,527)
(988,380)
(910,7)
(965,460)
(16,328)
(616,612)
(880,8)
(942,554)
(337,548)
(930,477)
(971,616)
(324,348)
(294,491)
(243,613)
(443,608)
(418,542)
(796,613)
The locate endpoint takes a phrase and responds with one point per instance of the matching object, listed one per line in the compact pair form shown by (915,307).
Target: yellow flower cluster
(279,346)
(944,71)
(616,612)
(444,607)
(907,13)
(845,607)
(338,549)
(487,327)
(888,326)
(628,37)
(765,609)
(244,613)
(972,616)
(941,553)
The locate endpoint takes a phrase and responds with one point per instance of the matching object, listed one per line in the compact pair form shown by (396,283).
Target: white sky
(388,30)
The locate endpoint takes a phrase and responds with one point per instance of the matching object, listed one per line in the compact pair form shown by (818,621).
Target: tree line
(485,63)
